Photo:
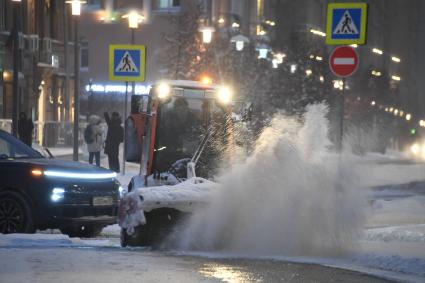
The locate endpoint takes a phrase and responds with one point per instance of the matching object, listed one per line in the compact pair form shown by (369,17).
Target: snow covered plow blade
(150,214)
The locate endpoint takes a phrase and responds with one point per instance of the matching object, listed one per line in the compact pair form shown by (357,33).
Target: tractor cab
(186,127)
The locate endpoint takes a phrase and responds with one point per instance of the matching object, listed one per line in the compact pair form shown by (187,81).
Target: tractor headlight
(415,148)
(163,91)
(224,95)
(57,194)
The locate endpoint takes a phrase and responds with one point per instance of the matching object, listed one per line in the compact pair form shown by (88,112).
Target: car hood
(56,164)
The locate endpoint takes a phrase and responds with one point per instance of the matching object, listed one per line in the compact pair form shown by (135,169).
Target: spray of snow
(292,196)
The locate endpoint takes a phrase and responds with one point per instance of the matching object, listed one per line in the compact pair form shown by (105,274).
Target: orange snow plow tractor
(182,134)
(180,123)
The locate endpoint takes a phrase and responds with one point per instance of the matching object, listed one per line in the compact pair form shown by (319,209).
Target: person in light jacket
(96,144)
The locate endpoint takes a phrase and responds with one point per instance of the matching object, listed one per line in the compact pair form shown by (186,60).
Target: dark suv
(41,193)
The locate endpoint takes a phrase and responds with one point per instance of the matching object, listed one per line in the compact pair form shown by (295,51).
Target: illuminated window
(167,5)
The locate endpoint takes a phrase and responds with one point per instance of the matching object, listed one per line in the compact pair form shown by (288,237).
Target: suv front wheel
(15,214)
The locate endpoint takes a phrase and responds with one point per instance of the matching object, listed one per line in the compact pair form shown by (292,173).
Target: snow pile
(408,233)
(34,240)
(187,196)
(291,197)
(389,173)
(111,231)
(183,196)
(393,263)
(397,211)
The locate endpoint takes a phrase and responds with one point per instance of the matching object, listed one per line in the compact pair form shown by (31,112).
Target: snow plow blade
(148,215)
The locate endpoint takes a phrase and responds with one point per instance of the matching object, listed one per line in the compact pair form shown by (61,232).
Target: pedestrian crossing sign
(127,63)
(346,23)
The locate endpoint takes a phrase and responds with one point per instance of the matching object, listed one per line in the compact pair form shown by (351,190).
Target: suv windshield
(10,147)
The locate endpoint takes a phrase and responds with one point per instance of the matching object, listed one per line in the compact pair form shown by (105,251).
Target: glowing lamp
(76,6)
(263,50)
(207,34)
(225,95)
(134,19)
(206,80)
(164,91)
(240,41)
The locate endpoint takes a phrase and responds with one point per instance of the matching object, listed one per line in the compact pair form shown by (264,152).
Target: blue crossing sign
(346,23)
(127,63)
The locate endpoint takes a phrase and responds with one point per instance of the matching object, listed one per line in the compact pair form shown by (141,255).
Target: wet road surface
(114,264)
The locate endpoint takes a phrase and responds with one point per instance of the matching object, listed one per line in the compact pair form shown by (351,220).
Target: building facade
(392,78)
(45,60)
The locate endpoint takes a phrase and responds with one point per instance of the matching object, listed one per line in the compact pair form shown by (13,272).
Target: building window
(6,13)
(167,5)
(84,53)
(94,4)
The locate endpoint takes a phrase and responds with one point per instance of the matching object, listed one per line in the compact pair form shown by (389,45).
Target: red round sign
(344,61)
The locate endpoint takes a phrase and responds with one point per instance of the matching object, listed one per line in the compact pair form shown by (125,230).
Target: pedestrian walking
(94,139)
(25,128)
(114,137)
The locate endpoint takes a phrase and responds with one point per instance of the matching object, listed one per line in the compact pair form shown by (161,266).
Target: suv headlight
(57,194)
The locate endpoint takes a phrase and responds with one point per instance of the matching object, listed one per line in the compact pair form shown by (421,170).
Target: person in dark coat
(25,128)
(114,137)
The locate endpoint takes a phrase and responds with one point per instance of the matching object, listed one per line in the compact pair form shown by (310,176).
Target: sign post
(346,23)
(127,63)
(343,62)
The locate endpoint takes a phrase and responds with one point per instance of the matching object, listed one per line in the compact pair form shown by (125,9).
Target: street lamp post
(16,55)
(134,19)
(76,11)
(90,100)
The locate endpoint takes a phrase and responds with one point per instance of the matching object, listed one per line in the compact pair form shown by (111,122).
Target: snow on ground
(34,240)
(398,211)
(379,170)
(111,231)
(407,233)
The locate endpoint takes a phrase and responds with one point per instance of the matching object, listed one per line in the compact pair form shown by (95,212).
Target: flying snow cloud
(292,196)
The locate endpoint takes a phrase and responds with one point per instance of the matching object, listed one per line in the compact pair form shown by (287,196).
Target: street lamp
(134,18)
(263,50)
(76,11)
(240,41)
(16,56)
(207,34)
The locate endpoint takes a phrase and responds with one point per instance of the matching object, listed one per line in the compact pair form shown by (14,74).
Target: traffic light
(413,131)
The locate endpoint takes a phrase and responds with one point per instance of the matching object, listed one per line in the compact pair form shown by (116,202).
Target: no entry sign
(344,61)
